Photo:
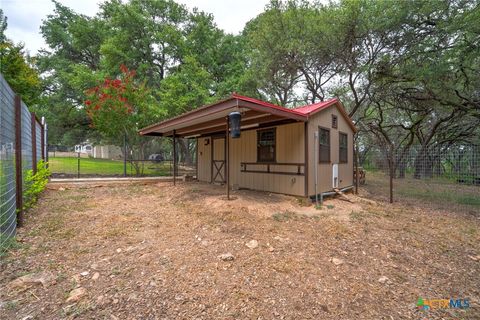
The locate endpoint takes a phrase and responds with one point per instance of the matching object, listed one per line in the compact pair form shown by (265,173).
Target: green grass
(434,191)
(91,166)
(444,197)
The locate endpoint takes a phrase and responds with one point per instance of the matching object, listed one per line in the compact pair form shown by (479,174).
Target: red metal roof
(300,113)
(311,108)
(266,104)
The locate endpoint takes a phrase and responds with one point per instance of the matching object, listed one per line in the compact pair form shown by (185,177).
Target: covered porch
(238,162)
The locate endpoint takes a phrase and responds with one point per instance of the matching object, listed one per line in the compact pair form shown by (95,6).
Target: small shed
(305,151)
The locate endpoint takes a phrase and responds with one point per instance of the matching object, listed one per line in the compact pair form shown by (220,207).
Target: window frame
(340,160)
(329,145)
(259,132)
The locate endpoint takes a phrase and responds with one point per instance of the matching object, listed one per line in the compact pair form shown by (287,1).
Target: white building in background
(84,148)
(107,152)
(100,152)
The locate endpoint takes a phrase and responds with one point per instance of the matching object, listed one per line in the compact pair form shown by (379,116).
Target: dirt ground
(160,251)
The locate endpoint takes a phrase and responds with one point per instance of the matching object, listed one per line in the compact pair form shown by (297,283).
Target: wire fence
(153,158)
(22,145)
(438,176)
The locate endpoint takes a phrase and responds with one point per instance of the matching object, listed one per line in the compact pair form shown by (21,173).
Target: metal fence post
(42,143)
(125,155)
(45,135)
(390,164)
(18,160)
(78,165)
(34,142)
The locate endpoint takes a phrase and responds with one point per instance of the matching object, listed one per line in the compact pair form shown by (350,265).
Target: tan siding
(204,159)
(289,149)
(345,171)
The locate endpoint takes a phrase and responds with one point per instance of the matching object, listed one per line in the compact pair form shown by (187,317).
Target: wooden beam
(192,115)
(260,121)
(249,115)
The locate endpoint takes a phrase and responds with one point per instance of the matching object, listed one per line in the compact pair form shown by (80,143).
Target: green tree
(70,65)
(119,107)
(17,68)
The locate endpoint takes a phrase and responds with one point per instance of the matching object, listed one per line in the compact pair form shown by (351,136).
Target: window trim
(329,145)
(334,121)
(274,129)
(340,133)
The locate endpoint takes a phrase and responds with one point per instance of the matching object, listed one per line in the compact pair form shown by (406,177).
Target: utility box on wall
(335,175)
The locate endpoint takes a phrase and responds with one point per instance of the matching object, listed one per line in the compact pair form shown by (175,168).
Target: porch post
(227,151)
(305,168)
(174,159)
(355,154)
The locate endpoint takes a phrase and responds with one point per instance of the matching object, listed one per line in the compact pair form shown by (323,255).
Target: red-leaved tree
(119,107)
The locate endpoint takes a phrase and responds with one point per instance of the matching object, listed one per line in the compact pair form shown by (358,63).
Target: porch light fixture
(235,118)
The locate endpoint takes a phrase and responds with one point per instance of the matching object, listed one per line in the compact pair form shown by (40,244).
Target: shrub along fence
(23,140)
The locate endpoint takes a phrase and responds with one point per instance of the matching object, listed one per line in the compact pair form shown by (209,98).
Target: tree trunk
(185,154)
(420,162)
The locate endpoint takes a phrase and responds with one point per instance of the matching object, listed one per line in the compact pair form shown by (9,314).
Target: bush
(35,184)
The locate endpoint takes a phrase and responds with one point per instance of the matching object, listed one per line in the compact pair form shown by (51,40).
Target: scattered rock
(84,273)
(95,276)
(204,243)
(76,294)
(252,244)
(119,250)
(227,257)
(475,258)
(26,281)
(383,279)
(336,261)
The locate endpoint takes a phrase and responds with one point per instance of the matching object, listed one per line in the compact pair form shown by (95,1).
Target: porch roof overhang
(211,119)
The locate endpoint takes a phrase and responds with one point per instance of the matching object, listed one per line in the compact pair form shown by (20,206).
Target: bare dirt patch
(162,252)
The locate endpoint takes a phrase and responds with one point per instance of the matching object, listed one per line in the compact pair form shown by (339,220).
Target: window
(266,145)
(324,145)
(343,147)
(334,121)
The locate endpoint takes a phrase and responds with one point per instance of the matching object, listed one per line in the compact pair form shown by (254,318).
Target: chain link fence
(22,141)
(152,158)
(437,176)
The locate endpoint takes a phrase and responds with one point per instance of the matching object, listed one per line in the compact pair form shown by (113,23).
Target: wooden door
(218,160)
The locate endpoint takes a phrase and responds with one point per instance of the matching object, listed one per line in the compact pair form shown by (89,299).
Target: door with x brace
(218,160)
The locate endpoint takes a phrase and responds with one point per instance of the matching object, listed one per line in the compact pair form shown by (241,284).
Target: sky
(25,16)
